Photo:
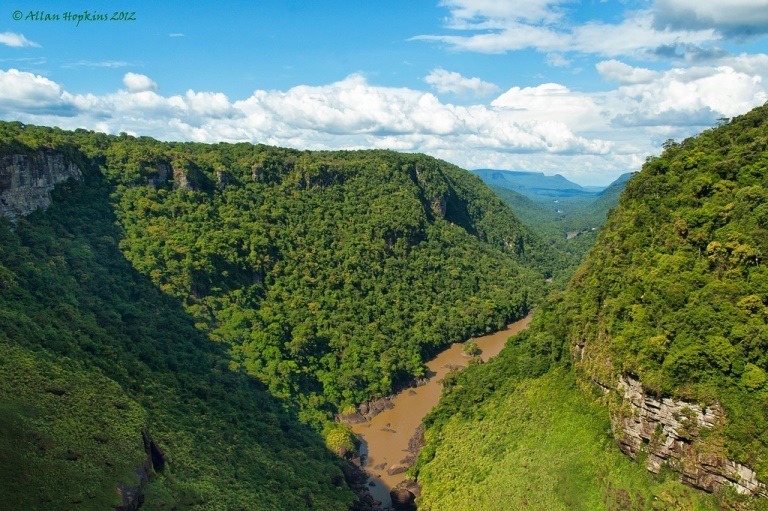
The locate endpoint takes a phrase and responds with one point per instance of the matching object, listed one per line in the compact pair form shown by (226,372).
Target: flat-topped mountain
(537,185)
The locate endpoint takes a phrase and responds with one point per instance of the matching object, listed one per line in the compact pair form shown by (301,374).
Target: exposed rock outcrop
(187,176)
(357,479)
(367,411)
(26,180)
(223,179)
(669,432)
(132,495)
(160,176)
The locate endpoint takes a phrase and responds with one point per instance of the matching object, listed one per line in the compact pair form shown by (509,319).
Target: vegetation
(94,356)
(675,290)
(470,349)
(225,300)
(674,293)
(545,445)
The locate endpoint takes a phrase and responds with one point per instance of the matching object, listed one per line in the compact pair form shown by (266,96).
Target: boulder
(397,468)
(402,499)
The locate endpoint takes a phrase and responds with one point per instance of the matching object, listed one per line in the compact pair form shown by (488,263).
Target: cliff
(671,432)
(670,309)
(26,180)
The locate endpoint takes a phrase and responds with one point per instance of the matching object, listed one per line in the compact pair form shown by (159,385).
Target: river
(384,439)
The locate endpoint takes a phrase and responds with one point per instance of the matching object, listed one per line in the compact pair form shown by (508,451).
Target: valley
(218,306)
(385,438)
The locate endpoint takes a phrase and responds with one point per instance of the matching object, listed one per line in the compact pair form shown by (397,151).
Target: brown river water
(385,437)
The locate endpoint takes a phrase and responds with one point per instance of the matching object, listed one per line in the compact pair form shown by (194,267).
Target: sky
(588,90)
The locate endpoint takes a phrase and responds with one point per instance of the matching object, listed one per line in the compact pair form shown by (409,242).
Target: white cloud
(110,64)
(26,92)
(634,33)
(552,102)
(176,35)
(732,18)
(691,96)
(547,127)
(451,82)
(483,12)
(624,73)
(15,40)
(541,26)
(514,36)
(135,82)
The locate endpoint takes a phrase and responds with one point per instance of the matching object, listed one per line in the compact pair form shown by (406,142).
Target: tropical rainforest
(213,306)
(673,294)
(180,327)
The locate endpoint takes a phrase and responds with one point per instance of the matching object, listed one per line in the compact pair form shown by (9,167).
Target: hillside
(553,219)
(110,395)
(570,229)
(214,305)
(660,336)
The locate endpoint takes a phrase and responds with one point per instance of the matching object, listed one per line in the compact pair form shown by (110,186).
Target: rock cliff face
(669,431)
(26,181)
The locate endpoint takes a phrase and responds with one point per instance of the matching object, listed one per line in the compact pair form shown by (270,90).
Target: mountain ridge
(323,279)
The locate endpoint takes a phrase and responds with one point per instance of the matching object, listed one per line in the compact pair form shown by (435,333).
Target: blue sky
(586,89)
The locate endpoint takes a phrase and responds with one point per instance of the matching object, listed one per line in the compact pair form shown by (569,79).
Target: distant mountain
(593,213)
(554,218)
(536,185)
(618,185)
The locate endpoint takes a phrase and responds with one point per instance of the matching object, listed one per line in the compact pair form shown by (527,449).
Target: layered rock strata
(669,431)
(26,181)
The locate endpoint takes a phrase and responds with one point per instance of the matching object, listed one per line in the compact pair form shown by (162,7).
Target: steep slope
(110,396)
(324,279)
(673,294)
(667,319)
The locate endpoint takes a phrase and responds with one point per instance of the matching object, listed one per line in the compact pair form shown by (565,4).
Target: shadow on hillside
(224,436)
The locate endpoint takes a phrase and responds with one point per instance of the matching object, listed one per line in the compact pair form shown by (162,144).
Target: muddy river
(385,437)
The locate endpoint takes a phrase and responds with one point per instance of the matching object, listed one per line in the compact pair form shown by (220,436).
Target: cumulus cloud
(552,102)
(546,127)
(451,82)
(26,92)
(694,96)
(623,73)
(15,40)
(734,18)
(135,82)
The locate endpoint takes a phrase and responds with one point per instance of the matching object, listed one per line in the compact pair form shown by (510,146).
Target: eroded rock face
(132,496)
(26,181)
(669,431)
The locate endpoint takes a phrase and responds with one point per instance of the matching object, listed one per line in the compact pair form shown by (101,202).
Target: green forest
(673,293)
(215,306)
(180,328)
